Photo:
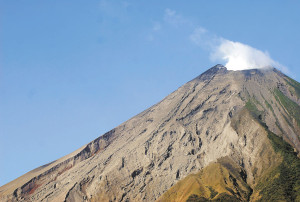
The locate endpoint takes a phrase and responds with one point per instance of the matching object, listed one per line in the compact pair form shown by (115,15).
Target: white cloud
(241,56)
(236,55)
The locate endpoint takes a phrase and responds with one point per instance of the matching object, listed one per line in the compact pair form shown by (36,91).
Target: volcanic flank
(224,136)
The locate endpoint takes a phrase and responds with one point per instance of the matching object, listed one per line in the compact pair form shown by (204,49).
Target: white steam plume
(241,56)
(236,55)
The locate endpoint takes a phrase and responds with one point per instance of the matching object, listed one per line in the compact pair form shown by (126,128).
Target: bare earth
(201,123)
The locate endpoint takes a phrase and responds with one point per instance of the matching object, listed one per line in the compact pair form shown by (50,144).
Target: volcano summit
(223,136)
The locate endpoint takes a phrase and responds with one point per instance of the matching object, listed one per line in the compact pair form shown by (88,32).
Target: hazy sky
(72,70)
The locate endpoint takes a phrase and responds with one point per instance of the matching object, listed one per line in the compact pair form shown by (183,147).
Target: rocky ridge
(218,115)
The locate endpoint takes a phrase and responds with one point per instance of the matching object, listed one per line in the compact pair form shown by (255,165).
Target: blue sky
(72,70)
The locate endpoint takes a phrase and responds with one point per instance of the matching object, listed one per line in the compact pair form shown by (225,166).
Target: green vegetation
(222,197)
(292,108)
(213,193)
(277,124)
(257,114)
(269,106)
(251,106)
(283,183)
(226,198)
(196,198)
(288,121)
(295,85)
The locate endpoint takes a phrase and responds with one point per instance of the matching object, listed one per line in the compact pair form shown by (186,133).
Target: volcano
(223,136)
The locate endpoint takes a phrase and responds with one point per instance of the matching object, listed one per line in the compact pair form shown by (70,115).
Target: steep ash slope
(217,115)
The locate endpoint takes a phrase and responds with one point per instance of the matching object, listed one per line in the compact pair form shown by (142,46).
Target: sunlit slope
(218,180)
(243,123)
(276,174)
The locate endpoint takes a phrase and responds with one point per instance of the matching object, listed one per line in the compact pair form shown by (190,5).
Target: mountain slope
(218,115)
(278,180)
(217,180)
